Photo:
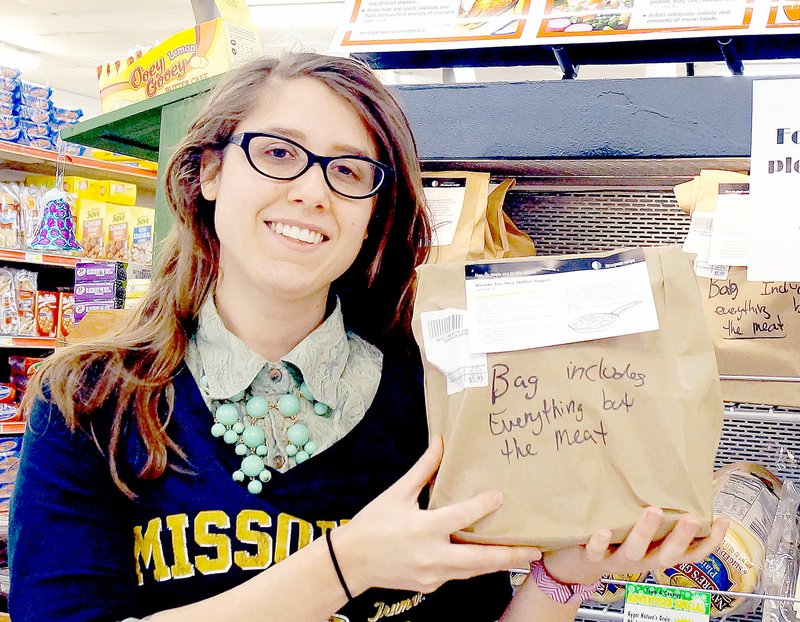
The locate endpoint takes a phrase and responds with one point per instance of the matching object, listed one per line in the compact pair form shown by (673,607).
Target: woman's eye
(278,153)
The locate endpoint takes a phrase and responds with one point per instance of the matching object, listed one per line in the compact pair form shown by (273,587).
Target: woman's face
(290,238)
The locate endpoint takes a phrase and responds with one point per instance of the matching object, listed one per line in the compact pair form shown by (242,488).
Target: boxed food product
(89,228)
(100,271)
(143,220)
(24,365)
(112,191)
(66,314)
(99,292)
(115,234)
(208,49)
(82,308)
(47,314)
(137,288)
(81,187)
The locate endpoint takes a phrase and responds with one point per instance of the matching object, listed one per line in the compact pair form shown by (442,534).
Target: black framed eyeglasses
(278,157)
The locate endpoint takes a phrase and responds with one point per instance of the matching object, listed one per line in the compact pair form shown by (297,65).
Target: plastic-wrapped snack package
(70,115)
(35,90)
(32,129)
(9,122)
(8,97)
(10,135)
(29,212)
(9,84)
(25,285)
(8,109)
(34,114)
(10,216)
(9,317)
(9,72)
(782,563)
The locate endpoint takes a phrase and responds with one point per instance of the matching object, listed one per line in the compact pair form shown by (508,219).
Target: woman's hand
(639,552)
(393,543)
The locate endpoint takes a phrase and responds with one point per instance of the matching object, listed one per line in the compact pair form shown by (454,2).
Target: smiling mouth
(296,233)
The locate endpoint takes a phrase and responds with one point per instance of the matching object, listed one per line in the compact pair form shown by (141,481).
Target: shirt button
(275,374)
(278,462)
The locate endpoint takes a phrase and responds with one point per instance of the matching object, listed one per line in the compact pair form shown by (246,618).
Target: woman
(264,396)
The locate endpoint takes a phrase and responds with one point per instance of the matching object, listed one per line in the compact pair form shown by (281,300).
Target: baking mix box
(209,48)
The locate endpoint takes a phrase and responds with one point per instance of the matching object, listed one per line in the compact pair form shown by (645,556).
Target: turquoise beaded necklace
(239,421)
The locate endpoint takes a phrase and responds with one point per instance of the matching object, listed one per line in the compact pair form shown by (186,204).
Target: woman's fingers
(469,559)
(702,548)
(640,538)
(674,547)
(597,546)
(456,516)
(418,476)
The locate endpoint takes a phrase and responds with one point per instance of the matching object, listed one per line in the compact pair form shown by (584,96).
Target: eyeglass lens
(284,160)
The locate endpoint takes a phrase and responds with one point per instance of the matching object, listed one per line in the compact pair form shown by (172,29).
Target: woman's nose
(311,187)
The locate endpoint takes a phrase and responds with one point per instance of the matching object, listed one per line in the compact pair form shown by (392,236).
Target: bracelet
(336,565)
(559,591)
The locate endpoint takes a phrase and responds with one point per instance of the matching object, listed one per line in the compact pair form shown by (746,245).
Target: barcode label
(441,327)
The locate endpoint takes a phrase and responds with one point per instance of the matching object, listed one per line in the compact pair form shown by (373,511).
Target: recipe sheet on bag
(529,304)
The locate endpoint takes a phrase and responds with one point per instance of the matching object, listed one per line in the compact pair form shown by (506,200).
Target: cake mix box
(115,232)
(89,227)
(189,56)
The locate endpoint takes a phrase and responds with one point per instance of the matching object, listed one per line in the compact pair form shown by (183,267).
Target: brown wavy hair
(128,377)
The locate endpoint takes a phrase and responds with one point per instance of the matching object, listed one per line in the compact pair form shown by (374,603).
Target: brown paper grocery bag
(503,238)
(469,240)
(637,424)
(756,330)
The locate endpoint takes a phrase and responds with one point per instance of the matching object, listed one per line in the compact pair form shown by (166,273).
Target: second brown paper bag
(583,436)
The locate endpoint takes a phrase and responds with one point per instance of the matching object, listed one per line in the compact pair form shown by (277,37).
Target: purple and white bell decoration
(56,230)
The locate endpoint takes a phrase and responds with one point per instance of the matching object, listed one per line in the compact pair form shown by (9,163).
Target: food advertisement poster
(390,25)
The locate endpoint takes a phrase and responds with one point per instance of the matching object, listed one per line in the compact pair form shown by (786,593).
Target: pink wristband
(561,592)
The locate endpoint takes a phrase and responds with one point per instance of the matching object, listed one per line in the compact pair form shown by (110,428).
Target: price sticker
(659,603)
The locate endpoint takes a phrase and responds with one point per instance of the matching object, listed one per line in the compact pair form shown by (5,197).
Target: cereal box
(47,314)
(90,226)
(141,234)
(115,237)
(66,314)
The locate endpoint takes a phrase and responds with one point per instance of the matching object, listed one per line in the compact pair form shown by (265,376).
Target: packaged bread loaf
(748,495)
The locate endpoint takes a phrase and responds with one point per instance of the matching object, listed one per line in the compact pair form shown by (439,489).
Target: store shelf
(12,427)
(16,341)
(43,259)
(685,50)
(134,130)
(33,160)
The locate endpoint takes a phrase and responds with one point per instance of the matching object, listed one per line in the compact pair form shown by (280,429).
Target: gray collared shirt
(341,370)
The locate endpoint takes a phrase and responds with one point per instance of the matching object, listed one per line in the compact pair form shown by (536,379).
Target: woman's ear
(210,168)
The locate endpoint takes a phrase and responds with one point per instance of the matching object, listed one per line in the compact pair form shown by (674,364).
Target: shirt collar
(230,366)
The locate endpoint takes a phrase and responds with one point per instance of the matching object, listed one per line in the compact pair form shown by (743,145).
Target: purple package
(99,291)
(100,271)
(81,309)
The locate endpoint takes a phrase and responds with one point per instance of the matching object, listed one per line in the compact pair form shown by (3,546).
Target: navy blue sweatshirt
(82,551)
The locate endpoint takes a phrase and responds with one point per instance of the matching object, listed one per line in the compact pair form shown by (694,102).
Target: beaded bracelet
(336,565)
